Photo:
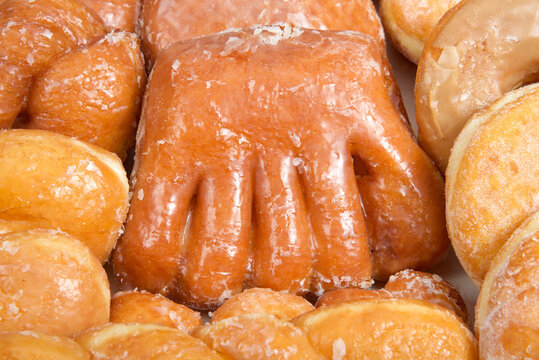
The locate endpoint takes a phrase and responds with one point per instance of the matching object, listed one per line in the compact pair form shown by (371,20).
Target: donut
(143,341)
(506,311)
(50,283)
(257,336)
(388,329)
(51,181)
(407,284)
(116,14)
(146,308)
(164,22)
(409,23)
(283,306)
(26,345)
(466,65)
(309,137)
(492,177)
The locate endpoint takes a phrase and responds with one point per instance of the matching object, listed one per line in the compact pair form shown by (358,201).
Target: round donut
(27,345)
(146,308)
(491,180)
(507,308)
(50,283)
(313,183)
(466,65)
(388,329)
(409,23)
(76,187)
(116,14)
(142,342)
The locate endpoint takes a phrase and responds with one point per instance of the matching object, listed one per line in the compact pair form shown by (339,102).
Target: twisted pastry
(116,14)
(26,345)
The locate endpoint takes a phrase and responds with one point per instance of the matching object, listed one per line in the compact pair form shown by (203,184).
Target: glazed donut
(92,93)
(466,65)
(32,35)
(304,116)
(407,284)
(27,345)
(257,336)
(51,181)
(50,283)
(142,342)
(409,23)
(492,178)
(263,301)
(146,308)
(388,329)
(506,311)
(116,14)
(164,22)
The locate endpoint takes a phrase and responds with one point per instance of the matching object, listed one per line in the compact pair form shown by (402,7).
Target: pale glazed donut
(291,141)
(164,22)
(263,301)
(466,65)
(409,22)
(492,178)
(116,14)
(257,336)
(407,284)
(92,93)
(388,329)
(142,342)
(507,308)
(51,181)
(146,308)
(29,345)
(50,283)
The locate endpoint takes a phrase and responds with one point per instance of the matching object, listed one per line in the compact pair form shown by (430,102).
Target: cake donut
(51,181)
(164,22)
(116,14)
(492,177)
(506,311)
(26,345)
(50,283)
(466,65)
(409,23)
(277,179)
(145,308)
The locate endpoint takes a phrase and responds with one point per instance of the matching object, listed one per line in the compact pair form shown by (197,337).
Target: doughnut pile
(276,184)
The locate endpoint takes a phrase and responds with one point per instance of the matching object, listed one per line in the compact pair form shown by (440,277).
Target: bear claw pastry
(263,129)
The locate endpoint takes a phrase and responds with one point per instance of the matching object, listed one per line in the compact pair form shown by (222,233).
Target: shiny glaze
(116,14)
(50,283)
(51,181)
(479,51)
(32,34)
(264,129)
(164,22)
(26,345)
(92,93)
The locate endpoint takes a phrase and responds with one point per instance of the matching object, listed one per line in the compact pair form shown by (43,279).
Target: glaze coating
(116,14)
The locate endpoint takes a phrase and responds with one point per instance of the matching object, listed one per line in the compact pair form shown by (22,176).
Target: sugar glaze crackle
(244,174)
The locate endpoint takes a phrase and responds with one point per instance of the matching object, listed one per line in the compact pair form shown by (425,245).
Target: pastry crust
(116,14)
(26,345)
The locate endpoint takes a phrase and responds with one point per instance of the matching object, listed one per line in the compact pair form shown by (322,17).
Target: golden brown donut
(146,308)
(32,35)
(51,181)
(164,22)
(388,329)
(142,342)
(257,336)
(50,283)
(466,65)
(28,345)
(92,93)
(506,311)
(409,23)
(407,284)
(116,14)
(492,177)
(266,126)
(263,301)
